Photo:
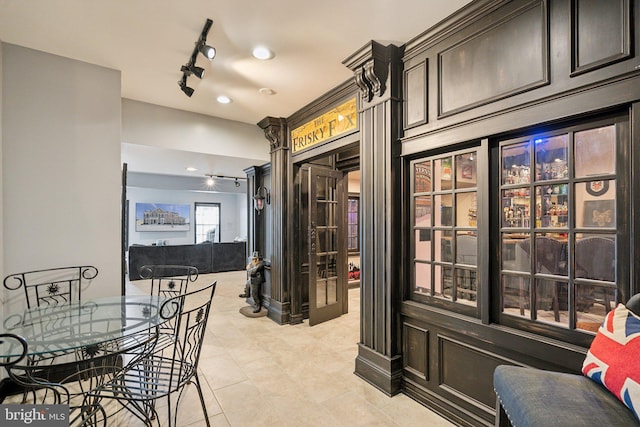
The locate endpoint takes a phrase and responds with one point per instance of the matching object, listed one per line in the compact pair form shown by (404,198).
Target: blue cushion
(533,397)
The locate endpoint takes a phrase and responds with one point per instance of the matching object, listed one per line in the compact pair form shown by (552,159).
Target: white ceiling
(149,40)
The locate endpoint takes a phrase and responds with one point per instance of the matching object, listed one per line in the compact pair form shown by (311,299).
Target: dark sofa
(206,257)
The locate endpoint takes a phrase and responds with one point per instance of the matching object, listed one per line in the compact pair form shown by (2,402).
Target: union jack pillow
(613,359)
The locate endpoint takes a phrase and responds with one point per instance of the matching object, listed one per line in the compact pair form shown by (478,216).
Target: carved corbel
(275,130)
(370,67)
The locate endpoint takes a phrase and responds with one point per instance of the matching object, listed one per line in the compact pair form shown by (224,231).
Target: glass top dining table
(88,325)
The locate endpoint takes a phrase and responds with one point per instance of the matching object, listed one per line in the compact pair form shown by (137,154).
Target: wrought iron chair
(48,287)
(159,375)
(51,286)
(168,281)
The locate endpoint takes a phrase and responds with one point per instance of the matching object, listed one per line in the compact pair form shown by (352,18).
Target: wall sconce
(260,198)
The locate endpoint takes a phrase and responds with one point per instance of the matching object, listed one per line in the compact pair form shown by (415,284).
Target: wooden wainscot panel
(601,33)
(415,95)
(509,57)
(415,345)
(466,371)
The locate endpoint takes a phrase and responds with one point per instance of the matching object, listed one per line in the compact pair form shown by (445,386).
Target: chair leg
(204,407)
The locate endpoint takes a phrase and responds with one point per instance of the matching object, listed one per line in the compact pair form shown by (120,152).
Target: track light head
(183,85)
(208,51)
(190,69)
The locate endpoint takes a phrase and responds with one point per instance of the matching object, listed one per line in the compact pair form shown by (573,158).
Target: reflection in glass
(515,296)
(466,170)
(551,302)
(466,209)
(441,280)
(513,253)
(596,204)
(551,157)
(423,211)
(592,305)
(422,177)
(442,174)
(321,293)
(442,245)
(515,207)
(467,248)
(551,255)
(552,209)
(443,214)
(516,164)
(423,244)
(447,280)
(595,257)
(332,291)
(423,277)
(595,151)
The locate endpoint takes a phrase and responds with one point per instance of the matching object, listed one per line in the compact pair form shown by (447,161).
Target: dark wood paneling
(467,371)
(507,58)
(415,95)
(416,350)
(601,33)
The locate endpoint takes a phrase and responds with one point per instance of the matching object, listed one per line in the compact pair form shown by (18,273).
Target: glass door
(327,245)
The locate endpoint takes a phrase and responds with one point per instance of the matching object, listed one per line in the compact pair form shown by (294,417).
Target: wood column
(378,73)
(276,131)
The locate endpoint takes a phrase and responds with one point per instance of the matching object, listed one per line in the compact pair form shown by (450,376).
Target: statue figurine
(255,278)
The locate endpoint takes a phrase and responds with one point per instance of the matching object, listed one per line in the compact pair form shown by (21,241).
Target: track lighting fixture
(183,85)
(190,68)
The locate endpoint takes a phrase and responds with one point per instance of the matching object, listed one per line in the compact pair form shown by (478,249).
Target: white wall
(61,171)
(233,214)
(154,125)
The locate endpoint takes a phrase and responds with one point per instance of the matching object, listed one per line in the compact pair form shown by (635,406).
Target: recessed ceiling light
(192,169)
(266,91)
(223,99)
(262,52)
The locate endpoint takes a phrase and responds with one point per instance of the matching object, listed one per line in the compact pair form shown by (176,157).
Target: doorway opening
(328,225)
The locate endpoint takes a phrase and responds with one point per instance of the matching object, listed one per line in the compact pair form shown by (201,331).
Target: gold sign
(339,120)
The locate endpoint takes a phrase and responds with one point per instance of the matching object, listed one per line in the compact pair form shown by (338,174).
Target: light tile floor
(257,373)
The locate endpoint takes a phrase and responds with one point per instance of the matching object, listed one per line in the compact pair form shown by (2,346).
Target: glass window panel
(595,257)
(514,257)
(321,293)
(516,164)
(551,157)
(442,174)
(552,209)
(423,278)
(467,248)
(444,210)
(551,254)
(466,170)
(592,305)
(466,289)
(515,296)
(321,240)
(321,263)
(332,271)
(423,211)
(551,302)
(596,204)
(423,244)
(595,151)
(442,245)
(321,188)
(515,207)
(322,214)
(466,209)
(422,177)
(446,281)
(332,291)
(441,280)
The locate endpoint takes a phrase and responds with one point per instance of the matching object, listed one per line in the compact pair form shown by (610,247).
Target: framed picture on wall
(162,217)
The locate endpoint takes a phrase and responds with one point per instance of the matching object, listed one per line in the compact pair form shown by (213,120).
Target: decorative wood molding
(275,130)
(370,66)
